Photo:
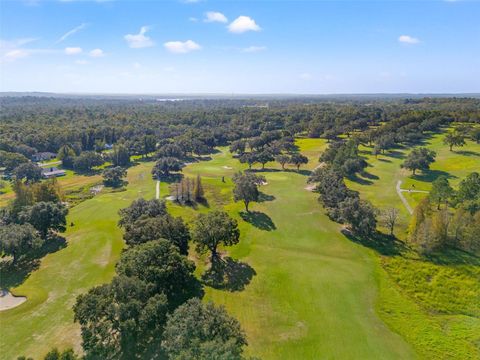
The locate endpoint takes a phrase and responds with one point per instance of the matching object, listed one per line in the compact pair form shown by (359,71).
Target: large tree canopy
(246,187)
(215,228)
(203,332)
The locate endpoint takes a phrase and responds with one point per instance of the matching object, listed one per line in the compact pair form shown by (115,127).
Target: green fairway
(94,244)
(437,307)
(384,172)
(308,291)
(314,292)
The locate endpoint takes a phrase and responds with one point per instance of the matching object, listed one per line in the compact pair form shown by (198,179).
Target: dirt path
(405,202)
(157,190)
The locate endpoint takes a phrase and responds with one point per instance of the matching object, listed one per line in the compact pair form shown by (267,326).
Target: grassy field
(310,293)
(436,305)
(301,290)
(94,244)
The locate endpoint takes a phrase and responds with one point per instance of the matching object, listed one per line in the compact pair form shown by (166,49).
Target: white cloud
(137,41)
(71,32)
(242,24)
(181,47)
(13,55)
(214,16)
(96,53)
(254,49)
(81,62)
(305,76)
(407,39)
(73,50)
(12,44)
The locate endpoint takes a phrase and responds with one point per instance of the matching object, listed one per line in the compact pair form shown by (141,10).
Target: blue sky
(267,46)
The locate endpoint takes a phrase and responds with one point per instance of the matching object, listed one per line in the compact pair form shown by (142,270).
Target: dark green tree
(164,166)
(66,155)
(246,187)
(298,159)
(282,159)
(29,172)
(441,191)
(141,208)
(203,332)
(161,227)
(17,240)
(45,216)
(360,215)
(213,229)
(113,177)
(419,159)
(87,160)
(120,156)
(454,139)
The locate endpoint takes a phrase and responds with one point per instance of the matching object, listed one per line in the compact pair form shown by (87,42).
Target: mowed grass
(94,244)
(384,171)
(436,306)
(314,292)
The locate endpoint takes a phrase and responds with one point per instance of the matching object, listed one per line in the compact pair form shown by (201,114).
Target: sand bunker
(311,187)
(8,301)
(171,198)
(263,183)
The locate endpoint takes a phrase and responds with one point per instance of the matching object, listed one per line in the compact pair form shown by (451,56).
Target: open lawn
(308,292)
(383,172)
(437,304)
(300,288)
(94,244)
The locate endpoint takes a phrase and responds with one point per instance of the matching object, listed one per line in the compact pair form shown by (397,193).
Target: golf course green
(302,290)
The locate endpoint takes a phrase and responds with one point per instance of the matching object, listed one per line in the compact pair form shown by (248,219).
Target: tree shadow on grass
(14,274)
(384,244)
(394,154)
(453,257)
(467,153)
(259,220)
(262,197)
(303,172)
(171,178)
(367,175)
(384,160)
(228,274)
(355,178)
(431,175)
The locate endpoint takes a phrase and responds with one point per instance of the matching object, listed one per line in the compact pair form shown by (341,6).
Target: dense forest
(151,306)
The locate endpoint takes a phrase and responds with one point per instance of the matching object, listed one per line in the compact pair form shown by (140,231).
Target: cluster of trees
(419,159)
(344,205)
(344,158)
(269,146)
(27,223)
(152,309)
(448,217)
(165,166)
(188,191)
(113,176)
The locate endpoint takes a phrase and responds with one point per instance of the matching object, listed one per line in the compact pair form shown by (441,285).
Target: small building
(52,172)
(43,156)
